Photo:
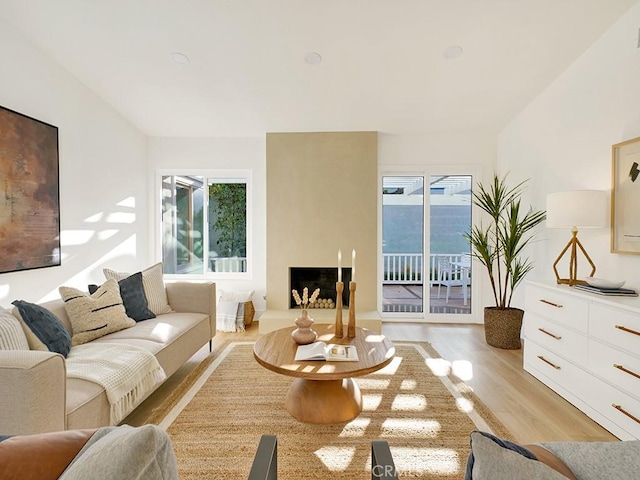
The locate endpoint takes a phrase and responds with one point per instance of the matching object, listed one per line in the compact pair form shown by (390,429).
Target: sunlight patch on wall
(410,427)
(121,217)
(336,458)
(106,234)
(129,202)
(93,273)
(75,237)
(4,291)
(94,218)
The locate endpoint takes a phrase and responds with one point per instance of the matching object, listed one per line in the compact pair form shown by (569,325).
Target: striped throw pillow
(12,336)
(153,284)
(93,316)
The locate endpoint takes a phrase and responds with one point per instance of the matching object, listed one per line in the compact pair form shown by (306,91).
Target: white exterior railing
(406,268)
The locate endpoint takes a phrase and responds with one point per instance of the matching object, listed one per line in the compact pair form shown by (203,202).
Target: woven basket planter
(502,327)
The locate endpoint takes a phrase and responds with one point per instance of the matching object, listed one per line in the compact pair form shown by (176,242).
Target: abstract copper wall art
(29,193)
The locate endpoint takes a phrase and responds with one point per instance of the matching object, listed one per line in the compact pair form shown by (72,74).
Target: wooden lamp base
(574,244)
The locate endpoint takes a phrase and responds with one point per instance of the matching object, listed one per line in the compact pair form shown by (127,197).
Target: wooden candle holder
(338,328)
(351,326)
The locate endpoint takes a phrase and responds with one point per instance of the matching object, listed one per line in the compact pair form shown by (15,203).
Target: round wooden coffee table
(323,392)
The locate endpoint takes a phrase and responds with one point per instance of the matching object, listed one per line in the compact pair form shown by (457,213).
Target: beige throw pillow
(153,285)
(93,316)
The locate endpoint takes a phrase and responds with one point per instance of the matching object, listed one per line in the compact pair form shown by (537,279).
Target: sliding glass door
(403,244)
(426,260)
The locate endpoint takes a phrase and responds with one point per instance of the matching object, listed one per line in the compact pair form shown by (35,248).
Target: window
(204,223)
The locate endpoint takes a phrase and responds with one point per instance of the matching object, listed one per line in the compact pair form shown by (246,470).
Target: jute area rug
(216,417)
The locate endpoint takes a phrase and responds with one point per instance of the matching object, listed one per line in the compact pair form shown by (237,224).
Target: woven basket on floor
(502,327)
(249,312)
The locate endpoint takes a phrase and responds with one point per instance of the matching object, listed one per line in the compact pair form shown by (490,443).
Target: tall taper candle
(353,265)
(339,265)
(338,328)
(351,326)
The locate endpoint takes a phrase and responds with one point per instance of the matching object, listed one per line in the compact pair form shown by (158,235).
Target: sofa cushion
(97,314)
(133,297)
(599,460)
(43,329)
(40,456)
(153,284)
(134,453)
(12,336)
(493,458)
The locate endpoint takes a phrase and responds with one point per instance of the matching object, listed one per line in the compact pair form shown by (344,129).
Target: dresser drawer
(617,327)
(556,305)
(616,406)
(541,362)
(555,338)
(615,366)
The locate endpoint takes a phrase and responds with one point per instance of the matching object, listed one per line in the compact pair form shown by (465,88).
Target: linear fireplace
(323,278)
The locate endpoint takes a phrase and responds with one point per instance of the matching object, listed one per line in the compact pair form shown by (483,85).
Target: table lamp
(576,209)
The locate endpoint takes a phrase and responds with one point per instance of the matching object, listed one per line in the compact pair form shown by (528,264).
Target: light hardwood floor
(529,410)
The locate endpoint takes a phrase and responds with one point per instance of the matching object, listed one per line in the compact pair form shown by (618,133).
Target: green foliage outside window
(227,203)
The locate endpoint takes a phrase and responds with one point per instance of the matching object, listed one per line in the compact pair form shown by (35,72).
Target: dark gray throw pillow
(133,297)
(45,330)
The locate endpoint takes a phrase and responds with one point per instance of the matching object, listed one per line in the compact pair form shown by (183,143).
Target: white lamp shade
(578,208)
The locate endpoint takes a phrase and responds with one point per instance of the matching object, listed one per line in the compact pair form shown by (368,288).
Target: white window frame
(222,174)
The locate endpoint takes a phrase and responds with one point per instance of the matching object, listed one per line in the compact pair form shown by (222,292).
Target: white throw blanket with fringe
(230,316)
(126,372)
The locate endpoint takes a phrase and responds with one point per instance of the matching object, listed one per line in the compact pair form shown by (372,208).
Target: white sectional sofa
(36,395)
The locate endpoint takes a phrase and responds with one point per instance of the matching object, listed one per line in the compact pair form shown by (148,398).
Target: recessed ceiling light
(313,58)
(454,51)
(180,58)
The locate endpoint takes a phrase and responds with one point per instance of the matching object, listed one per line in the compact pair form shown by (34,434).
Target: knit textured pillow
(93,316)
(12,337)
(153,285)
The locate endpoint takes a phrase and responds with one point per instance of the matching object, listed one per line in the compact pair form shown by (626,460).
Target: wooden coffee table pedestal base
(324,401)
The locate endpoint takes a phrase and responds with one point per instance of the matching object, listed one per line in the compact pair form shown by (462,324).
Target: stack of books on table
(621,292)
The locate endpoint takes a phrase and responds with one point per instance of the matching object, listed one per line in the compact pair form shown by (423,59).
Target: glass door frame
(428,171)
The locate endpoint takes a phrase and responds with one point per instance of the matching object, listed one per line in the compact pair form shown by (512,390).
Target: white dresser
(586,347)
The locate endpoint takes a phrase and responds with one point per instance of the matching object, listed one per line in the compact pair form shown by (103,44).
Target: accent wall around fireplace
(321,197)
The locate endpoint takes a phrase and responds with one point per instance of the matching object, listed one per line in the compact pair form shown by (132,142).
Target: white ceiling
(383,66)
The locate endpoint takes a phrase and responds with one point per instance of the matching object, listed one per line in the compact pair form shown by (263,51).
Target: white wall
(103,173)
(563,140)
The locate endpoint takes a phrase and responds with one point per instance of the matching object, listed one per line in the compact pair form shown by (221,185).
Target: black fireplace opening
(318,277)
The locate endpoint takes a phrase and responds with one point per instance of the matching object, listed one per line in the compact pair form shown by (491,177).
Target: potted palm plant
(499,246)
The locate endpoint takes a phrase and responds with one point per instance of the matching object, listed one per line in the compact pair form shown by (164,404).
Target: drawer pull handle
(626,370)
(628,330)
(622,410)
(557,305)
(548,362)
(557,337)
